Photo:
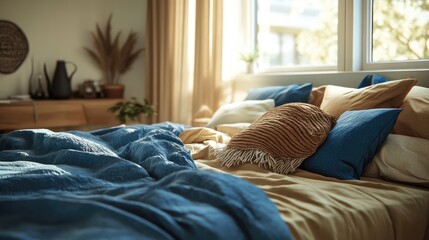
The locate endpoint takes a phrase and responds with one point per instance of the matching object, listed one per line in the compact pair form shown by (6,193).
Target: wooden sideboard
(84,114)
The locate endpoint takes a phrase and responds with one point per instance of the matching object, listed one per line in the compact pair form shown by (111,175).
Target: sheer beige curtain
(183,57)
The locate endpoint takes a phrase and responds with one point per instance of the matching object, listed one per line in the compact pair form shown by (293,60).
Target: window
(305,35)
(398,33)
(297,33)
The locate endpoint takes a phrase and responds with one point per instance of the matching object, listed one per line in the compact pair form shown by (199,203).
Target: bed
(319,207)
(170,181)
(381,194)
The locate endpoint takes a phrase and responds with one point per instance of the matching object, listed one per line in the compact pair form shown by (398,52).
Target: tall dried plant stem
(109,56)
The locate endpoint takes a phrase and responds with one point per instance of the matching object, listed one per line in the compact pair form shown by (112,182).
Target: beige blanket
(317,207)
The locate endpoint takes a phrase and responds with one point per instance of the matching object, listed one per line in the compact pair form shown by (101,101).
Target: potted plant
(131,110)
(112,57)
(250,59)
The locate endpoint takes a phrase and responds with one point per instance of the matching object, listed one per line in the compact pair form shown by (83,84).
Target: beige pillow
(201,135)
(232,128)
(279,140)
(414,118)
(401,158)
(390,94)
(316,95)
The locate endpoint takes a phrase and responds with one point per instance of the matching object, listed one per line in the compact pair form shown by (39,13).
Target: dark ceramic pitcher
(60,86)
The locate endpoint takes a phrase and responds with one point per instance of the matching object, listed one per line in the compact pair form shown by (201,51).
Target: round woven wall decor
(13,47)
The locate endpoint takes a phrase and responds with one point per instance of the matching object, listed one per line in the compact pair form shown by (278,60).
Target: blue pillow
(282,94)
(352,143)
(372,79)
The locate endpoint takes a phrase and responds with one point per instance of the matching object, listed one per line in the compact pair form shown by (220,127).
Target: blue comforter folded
(133,182)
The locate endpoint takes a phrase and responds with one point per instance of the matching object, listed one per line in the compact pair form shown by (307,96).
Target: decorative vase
(113,90)
(35,87)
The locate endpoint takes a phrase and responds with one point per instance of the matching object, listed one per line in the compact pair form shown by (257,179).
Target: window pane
(297,33)
(400,30)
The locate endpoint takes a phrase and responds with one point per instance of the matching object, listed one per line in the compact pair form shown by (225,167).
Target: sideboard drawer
(97,112)
(17,116)
(60,114)
(78,114)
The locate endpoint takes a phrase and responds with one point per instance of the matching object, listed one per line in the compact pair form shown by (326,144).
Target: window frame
(367,49)
(354,43)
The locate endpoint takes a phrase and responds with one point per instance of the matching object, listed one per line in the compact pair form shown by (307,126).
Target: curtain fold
(160,15)
(183,58)
(208,56)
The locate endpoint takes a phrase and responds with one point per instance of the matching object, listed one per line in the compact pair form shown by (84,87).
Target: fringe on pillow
(232,156)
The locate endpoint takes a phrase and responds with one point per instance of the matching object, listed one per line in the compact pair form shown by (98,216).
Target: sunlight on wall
(236,40)
(59,29)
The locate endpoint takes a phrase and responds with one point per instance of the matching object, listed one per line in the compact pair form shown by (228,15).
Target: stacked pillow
(401,158)
(358,134)
(316,96)
(414,119)
(337,100)
(365,118)
(352,143)
(282,94)
(257,102)
(372,79)
(240,112)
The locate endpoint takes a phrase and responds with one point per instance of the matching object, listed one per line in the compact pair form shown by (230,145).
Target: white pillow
(240,112)
(401,158)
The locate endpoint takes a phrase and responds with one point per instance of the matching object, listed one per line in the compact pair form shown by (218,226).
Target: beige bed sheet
(317,207)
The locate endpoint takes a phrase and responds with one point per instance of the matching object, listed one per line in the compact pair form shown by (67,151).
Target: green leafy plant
(110,56)
(130,110)
(249,57)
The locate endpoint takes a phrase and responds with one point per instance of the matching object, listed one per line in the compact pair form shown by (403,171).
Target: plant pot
(113,90)
(250,68)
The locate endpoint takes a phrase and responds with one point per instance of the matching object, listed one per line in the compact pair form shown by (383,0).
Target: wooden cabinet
(58,114)
(16,115)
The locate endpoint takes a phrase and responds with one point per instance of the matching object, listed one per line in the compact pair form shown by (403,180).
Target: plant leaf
(112,58)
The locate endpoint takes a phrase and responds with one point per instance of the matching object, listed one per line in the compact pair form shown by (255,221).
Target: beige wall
(59,29)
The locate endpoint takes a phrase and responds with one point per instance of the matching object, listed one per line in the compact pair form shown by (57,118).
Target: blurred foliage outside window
(400,30)
(297,32)
(304,33)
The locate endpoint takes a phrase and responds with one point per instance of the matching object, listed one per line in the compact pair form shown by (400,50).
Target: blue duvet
(134,182)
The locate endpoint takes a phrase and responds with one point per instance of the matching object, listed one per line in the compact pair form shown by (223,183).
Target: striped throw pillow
(280,139)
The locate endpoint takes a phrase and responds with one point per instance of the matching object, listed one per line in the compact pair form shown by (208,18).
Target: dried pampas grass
(113,58)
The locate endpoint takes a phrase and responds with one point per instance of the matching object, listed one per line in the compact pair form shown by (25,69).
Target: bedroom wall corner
(59,29)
